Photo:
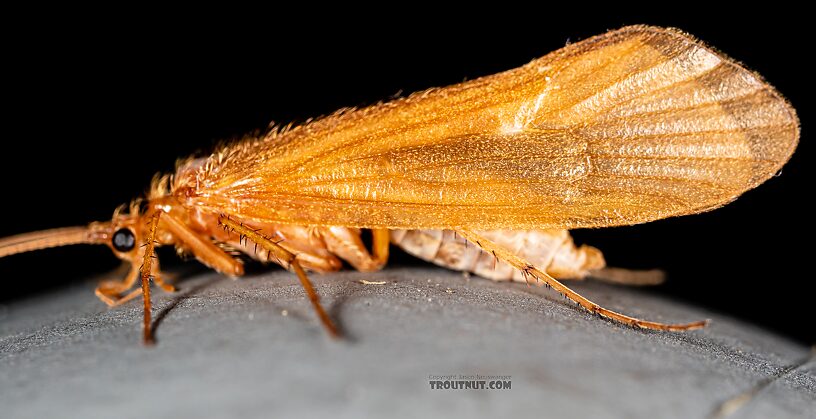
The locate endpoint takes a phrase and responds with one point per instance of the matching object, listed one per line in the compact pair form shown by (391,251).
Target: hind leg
(529,270)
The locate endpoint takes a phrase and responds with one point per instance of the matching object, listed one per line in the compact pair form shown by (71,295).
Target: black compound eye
(123,240)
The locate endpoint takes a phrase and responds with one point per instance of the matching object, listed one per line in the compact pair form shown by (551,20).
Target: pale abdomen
(552,250)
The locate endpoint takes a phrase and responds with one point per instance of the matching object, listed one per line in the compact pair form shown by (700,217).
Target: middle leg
(347,244)
(286,259)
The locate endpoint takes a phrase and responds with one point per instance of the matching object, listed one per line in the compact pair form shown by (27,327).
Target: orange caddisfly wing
(634,125)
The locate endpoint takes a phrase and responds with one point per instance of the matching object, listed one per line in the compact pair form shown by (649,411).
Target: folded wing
(631,126)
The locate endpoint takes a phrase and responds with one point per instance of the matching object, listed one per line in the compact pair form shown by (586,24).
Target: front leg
(203,249)
(110,292)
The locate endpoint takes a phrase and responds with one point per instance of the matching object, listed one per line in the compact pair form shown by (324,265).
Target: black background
(95,107)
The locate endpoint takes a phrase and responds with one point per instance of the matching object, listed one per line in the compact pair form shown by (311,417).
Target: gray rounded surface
(253,348)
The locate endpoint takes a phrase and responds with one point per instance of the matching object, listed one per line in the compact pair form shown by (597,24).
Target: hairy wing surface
(631,126)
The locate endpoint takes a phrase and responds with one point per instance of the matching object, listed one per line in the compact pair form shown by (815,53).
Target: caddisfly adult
(631,126)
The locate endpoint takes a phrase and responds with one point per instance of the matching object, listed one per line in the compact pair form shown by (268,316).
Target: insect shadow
(183,295)
(348,290)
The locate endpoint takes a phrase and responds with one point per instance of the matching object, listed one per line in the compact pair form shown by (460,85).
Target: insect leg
(159,280)
(288,260)
(347,244)
(381,242)
(203,248)
(528,269)
(303,241)
(121,300)
(147,271)
(109,291)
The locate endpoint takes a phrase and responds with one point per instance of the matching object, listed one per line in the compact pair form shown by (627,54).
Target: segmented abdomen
(552,250)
